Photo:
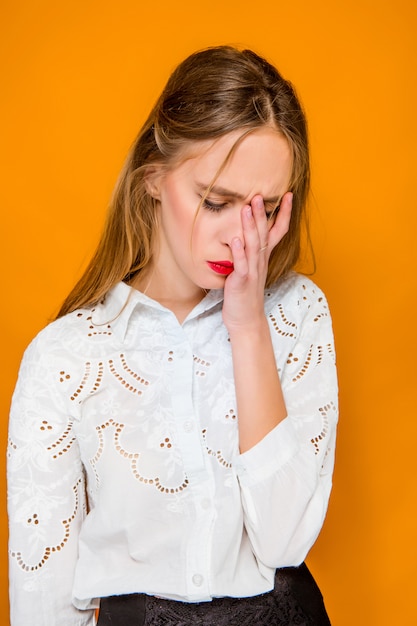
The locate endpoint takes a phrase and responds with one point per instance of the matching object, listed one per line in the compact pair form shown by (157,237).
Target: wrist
(253,329)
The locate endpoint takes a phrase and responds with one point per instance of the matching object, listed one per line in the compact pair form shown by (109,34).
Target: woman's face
(194,246)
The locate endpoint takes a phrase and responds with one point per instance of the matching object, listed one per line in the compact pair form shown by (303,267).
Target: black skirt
(295,600)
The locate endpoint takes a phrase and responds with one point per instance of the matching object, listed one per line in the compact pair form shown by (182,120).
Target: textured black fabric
(122,610)
(295,601)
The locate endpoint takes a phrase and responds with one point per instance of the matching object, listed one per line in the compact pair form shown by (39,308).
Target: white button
(197,580)
(188,426)
(205,504)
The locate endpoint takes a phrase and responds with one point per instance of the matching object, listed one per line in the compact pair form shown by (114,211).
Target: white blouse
(123,461)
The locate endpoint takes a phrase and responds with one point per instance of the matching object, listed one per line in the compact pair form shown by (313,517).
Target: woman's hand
(260,403)
(244,289)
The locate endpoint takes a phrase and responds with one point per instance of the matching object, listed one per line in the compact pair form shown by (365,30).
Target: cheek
(177,210)
(197,232)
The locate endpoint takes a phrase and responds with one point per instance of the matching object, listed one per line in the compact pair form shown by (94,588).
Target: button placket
(188,426)
(197,580)
(181,380)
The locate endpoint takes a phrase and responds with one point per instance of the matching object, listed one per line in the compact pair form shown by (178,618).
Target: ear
(153,180)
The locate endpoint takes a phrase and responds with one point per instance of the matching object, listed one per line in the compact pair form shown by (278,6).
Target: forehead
(258,162)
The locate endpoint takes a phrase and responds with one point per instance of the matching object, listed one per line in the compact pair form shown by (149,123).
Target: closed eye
(271,214)
(213,206)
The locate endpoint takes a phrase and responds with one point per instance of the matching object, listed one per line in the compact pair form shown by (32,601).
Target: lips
(221,267)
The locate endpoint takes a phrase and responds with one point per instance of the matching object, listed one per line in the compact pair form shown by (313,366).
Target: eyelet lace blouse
(123,460)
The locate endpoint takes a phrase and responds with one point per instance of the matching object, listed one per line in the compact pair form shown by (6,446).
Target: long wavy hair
(211,93)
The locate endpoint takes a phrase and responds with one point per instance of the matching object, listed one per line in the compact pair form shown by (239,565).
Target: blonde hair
(211,93)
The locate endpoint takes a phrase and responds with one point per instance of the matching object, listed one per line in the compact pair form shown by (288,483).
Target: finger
(255,229)
(261,220)
(259,214)
(282,221)
(240,261)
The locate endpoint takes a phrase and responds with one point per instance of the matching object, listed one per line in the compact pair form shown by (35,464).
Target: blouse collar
(122,300)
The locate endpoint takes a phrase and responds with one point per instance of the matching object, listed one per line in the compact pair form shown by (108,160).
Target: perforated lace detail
(36,520)
(322,436)
(202,366)
(282,325)
(93,377)
(217,454)
(132,458)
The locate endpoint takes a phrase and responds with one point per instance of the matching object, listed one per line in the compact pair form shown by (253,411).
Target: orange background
(77,80)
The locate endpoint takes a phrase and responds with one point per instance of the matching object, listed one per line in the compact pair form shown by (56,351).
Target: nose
(232,225)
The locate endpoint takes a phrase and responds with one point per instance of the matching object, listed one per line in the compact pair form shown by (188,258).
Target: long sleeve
(46,497)
(286,479)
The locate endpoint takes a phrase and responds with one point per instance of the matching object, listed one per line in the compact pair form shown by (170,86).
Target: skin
(253,182)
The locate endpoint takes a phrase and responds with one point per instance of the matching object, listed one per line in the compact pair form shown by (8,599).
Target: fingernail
(249,211)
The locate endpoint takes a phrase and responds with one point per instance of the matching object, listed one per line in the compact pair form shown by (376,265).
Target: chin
(213,284)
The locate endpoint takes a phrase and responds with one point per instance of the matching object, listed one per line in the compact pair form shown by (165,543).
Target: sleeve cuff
(269,455)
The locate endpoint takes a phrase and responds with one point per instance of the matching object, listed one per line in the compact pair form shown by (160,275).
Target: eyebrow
(221,191)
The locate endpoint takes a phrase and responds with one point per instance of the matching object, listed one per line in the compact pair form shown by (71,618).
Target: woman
(172,432)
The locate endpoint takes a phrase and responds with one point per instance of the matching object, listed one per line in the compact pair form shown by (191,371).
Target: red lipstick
(221,267)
